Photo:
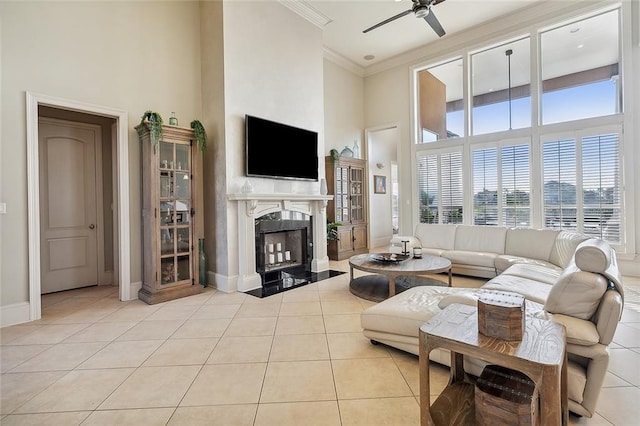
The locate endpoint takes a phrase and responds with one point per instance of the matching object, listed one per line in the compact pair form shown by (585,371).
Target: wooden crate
(505,397)
(501,315)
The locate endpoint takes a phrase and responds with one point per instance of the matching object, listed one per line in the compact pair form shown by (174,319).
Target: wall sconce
(380,165)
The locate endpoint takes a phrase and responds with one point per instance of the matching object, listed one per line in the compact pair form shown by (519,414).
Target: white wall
(273,68)
(388,99)
(343,108)
(131,56)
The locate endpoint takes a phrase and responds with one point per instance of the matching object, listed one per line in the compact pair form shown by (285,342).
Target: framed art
(380,184)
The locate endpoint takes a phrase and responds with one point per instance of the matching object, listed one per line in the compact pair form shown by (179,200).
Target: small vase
(202,263)
(173,121)
(356,149)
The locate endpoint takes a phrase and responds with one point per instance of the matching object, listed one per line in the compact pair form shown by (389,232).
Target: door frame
(121,193)
(370,148)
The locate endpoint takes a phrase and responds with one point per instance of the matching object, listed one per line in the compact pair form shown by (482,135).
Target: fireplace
(261,219)
(284,246)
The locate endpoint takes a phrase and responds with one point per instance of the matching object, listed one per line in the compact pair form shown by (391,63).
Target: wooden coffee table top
(425,265)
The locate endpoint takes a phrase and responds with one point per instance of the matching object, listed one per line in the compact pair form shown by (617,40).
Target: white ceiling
(348,18)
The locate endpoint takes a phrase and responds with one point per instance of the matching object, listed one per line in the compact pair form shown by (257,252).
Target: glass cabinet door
(176,234)
(357,195)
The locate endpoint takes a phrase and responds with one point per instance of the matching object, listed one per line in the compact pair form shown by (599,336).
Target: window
(440,187)
(585,198)
(501,186)
(501,88)
(441,110)
(587,85)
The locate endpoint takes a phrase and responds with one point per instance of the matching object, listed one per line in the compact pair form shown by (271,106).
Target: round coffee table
(389,275)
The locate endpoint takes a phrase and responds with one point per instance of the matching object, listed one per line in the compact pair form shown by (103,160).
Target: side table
(541,355)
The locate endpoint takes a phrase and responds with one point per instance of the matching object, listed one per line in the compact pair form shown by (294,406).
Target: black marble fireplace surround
(284,250)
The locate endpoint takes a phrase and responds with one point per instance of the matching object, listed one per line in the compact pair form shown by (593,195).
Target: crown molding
(308,12)
(345,63)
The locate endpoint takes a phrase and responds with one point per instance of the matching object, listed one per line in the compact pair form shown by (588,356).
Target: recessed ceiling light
(580,46)
(369,57)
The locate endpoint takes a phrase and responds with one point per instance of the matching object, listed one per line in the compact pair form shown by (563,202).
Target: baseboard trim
(133,290)
(224,283)
(16,313)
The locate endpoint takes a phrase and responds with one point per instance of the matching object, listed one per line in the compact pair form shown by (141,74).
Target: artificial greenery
(332,230)
(201,135)
(154,121)
(335,155)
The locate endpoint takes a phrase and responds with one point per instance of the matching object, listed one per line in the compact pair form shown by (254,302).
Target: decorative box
(501,315)
(505,397)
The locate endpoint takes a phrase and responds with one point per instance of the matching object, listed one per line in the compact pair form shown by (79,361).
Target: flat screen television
(279,151)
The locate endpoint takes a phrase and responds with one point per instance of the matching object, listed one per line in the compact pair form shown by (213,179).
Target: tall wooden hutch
(347,182)
(171,215)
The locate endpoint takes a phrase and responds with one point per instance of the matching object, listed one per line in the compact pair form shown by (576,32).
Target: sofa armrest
(396,245)
(608,315)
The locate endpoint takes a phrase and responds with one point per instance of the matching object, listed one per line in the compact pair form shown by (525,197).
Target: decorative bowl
(388,257)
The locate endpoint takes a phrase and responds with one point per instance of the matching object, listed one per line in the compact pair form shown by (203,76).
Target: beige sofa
(565,276)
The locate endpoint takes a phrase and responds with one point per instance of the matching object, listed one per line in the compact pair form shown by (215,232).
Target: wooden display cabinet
(171,220)
(347,182)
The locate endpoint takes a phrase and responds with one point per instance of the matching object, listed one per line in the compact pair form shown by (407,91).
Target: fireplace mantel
(253,205)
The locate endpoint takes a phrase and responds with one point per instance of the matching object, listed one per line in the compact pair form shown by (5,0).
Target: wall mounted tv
(276,150)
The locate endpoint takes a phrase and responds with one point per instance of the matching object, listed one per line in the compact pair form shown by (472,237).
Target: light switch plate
(3,208)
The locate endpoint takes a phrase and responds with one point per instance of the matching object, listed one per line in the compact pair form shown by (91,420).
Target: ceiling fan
(421,9)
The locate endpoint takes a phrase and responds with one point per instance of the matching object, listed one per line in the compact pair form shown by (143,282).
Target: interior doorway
(119,190)
(72,178)
(382,148)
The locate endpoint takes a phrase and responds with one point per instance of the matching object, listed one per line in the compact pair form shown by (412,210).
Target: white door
(68,210)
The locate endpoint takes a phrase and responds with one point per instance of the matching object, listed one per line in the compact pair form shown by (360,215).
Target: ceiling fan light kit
(421,10)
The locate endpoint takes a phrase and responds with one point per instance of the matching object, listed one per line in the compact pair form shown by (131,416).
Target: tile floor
(297,358)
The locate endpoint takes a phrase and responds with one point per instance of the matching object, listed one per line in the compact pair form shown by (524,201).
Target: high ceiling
(348,18)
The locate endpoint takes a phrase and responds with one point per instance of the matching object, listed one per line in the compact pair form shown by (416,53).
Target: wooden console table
(541,355)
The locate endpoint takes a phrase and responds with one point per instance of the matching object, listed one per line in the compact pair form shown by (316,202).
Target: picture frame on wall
(380,184)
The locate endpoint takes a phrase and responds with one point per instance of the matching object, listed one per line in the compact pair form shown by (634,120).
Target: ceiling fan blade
(386,21)
(434,23)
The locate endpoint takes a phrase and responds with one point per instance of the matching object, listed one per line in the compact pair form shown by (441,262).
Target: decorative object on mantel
(501,315)
(346,152)
(173,121)
(200,134)
(335,155)
(356,149)
(247,188)
(154,121)
(323,186)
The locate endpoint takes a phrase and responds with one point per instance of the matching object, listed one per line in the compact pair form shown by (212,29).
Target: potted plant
(332,230)
(200,134)
(154,121)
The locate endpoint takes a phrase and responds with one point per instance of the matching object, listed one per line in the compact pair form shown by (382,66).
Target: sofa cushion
(405,312)
(531,289)
(463,257)
(487,239)
(565,246)
(504,261)
(530,243)
(436,236)
(576,293)
(547,274)
(432,251)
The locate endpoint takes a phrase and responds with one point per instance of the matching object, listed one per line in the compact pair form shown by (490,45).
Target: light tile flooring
(297,358)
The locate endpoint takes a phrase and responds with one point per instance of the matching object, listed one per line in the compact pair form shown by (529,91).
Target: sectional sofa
(565,276)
